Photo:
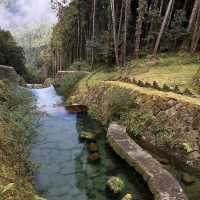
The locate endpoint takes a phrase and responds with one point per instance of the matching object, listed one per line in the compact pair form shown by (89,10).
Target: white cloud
(26,12)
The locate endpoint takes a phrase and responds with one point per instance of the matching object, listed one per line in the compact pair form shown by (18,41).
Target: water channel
(64,172)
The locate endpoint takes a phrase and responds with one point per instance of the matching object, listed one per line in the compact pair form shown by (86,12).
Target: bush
(33,76)
(135,121)
(116,102)
(17,129)
(66,86)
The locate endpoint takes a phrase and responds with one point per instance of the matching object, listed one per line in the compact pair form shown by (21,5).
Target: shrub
(33,76)
(135,121)
(117,101)
(66,86)
(115,184)
(187,92)
(141,83)
(147,85)
(177,89)
(156,85)
(94,113)
(17,114)
(166,88)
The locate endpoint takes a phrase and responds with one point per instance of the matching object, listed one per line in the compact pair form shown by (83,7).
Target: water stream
(64,172)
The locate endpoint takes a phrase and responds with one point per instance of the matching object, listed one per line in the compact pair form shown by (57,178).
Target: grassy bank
(17,129)
(170,69)
(157,116)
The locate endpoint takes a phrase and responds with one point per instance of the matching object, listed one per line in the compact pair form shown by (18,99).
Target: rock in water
(115,185)
(187,179)
(87,136)
(128,197)
(94,157)
(93,147)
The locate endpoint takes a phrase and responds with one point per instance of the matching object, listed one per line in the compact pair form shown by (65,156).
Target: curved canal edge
(161,183)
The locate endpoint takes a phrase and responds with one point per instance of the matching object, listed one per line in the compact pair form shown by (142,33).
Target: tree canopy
(10,53)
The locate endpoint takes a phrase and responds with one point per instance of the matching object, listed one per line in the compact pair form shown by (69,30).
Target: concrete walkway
(161,183)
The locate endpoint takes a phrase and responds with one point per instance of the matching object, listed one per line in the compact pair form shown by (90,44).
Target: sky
(26,12)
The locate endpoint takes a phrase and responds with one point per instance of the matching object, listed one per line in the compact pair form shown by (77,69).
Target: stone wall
(181,117)
(8,73)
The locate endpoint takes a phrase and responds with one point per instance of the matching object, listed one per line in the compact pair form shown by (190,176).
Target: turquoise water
(64,172)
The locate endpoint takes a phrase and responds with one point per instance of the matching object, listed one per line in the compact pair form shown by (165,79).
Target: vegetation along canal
(64,172)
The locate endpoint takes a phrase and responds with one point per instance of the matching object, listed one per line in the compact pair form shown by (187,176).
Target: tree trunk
(127,13)
(163,27)
(93,30)
(141,12)
(193,16)
(161,7)
(112,4)
(120,21)
(196,33)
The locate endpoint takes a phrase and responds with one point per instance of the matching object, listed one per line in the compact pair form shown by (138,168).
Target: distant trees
(110,30)
(10,53)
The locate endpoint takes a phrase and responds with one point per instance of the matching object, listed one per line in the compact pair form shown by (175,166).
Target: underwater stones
(115,184)
(87,136)
(94,157)
(92,147)
(187,179)
(77,108)
(110,166)
(128,197)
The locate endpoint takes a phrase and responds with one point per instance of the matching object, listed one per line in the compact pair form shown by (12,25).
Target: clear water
(64,171)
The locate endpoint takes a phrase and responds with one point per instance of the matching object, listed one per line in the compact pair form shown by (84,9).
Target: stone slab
(161,183)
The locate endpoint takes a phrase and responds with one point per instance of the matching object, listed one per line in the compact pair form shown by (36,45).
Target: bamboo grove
(112,31)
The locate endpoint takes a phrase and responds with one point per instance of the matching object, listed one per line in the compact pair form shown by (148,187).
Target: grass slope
(171,69)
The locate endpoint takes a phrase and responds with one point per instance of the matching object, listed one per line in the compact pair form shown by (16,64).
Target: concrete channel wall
(161,183)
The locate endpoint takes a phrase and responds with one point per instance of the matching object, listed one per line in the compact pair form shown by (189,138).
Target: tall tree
(196,33)
(93,29)
(112,4)
(167,14)
(127,13)
(141,12)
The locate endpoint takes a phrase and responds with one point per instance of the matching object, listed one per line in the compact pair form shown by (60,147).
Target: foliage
(116,184)
(10,53)
(34,76)
(117,101)
(67,85)
(187,147)
(135,121)
(94,112)
(4,189)
(17,129)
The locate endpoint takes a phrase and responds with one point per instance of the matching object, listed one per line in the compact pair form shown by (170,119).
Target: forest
(112,32)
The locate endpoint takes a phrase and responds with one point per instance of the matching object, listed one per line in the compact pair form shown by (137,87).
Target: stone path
(161,183)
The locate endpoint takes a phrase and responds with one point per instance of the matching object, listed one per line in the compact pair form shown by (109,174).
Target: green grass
(171,69)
